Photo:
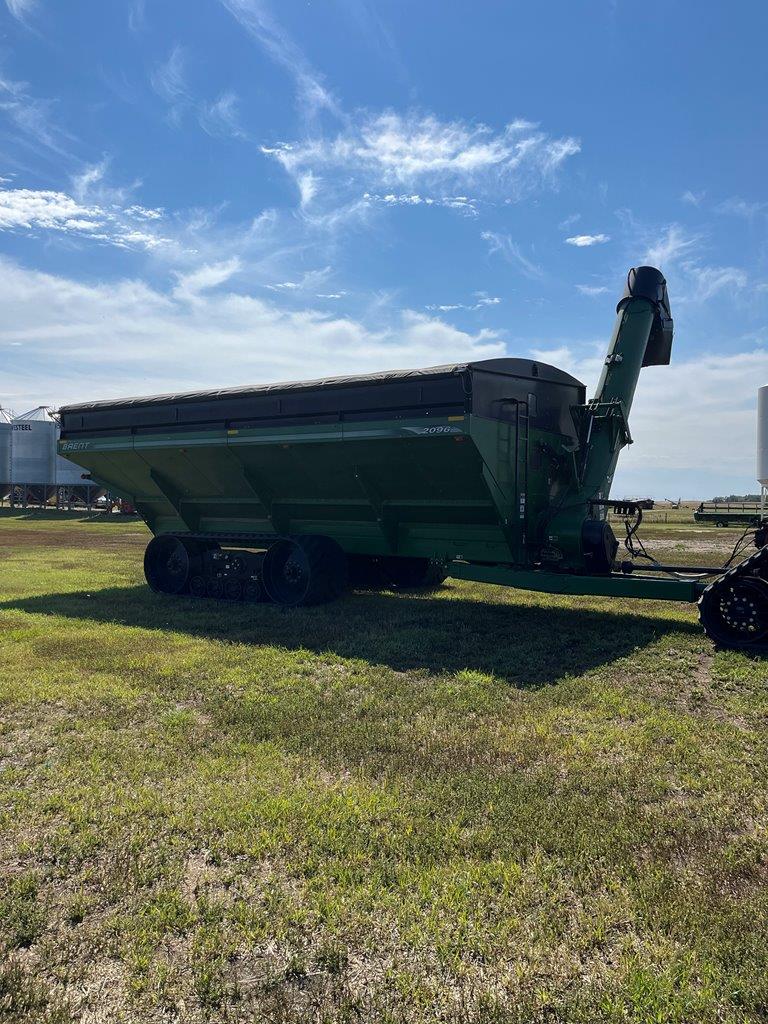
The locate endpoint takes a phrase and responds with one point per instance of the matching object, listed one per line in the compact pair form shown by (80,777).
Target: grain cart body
(450,462)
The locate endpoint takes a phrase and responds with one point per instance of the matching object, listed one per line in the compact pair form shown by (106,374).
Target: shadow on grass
(525,645)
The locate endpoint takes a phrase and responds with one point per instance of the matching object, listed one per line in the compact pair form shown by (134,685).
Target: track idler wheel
(735,614)
(304,570)
(170,563)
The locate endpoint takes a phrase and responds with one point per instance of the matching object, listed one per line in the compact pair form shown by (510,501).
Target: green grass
(481,806)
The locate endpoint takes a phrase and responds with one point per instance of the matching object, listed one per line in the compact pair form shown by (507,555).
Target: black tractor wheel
(197,586)
(170,562)
(304,570)
(233,590)
(736,614)
(413,573)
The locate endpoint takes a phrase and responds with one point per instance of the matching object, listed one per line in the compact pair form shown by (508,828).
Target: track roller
(304,570)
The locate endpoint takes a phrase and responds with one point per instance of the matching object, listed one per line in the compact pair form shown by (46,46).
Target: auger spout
(642,336)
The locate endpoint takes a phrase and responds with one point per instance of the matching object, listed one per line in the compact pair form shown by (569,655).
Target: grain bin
(33,463)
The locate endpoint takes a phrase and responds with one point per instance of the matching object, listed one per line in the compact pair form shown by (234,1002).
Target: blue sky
(234,191)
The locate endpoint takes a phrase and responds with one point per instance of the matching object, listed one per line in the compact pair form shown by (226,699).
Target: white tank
(762,435)
(6,439)
(33,458)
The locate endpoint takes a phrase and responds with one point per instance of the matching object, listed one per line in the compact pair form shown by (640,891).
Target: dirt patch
(105,539)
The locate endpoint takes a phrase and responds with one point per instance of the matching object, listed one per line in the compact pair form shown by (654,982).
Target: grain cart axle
(497,470)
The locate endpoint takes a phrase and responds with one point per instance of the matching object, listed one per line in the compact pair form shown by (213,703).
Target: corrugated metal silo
(33,461)
(6,437)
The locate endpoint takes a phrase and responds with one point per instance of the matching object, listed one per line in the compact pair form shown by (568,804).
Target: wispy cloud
(220,118)
(31,117)
(464,203)
(504,246)
(739,207)
(568,222)
(418,149)
(137,15)
(312,93)
(309,282)
(670,246)
(710,281)
(91,175)
(592,289)
(692,198)
(583,241)
(21,9)
(169,81)
(203,279)
(482,301)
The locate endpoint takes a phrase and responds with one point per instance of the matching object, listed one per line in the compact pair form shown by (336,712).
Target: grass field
(480,806)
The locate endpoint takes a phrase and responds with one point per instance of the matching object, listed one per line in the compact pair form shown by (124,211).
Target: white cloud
(220,117)
(410,149)
(504,246)
(308,187)
(21,9)
(668,247)
(145,213)
(31,117)
(709,281)
(692,198)
(739,207)
(209,276)
(91,175)
(63,341)
(169,81)
(308,282)
(137,15)
(31,210)
(312,94)
(592,289)
(582,241)
(569,221)
(463,203)
(169,78)
(482,301)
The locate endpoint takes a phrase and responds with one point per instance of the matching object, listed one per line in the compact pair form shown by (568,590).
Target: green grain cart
(497,470)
